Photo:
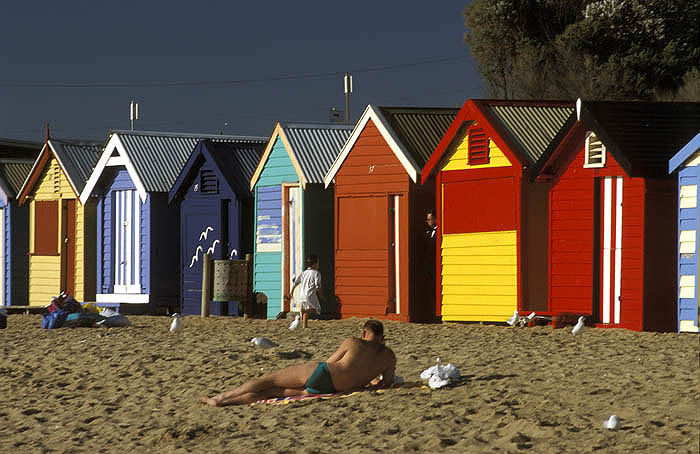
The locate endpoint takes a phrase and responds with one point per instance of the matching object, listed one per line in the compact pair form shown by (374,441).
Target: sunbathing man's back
(357,362)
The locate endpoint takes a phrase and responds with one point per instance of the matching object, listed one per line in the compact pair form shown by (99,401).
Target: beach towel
(289,400)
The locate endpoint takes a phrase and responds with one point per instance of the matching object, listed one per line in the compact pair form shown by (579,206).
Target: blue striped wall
(7,254)
(105,247)
(267,271)
(688,219)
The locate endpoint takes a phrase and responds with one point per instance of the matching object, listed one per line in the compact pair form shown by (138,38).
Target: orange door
(68,246)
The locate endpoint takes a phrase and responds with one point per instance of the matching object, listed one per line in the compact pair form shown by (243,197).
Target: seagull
(514,319)
(295,324)
(206,231)
(579,326)
(213,247)
(233,252)
(613,423)
(176,325)
(263,342)
(195,257)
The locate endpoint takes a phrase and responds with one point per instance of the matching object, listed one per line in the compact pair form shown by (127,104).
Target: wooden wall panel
(479,276)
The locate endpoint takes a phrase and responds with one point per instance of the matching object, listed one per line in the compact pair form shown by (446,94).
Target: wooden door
(293,260)
(201,233)
(127,242)
(68,246)
(610,248)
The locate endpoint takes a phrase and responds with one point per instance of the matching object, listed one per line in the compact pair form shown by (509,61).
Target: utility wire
(201,83)
(210,121)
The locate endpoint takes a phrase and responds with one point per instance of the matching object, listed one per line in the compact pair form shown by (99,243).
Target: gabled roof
(412,133)
(153,159)
(236,162)
(13,173)
(684,153)
(524,130)
(77,158)
(312,148)
(16,161)
(641,136)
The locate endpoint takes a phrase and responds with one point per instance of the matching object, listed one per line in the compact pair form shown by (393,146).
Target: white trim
(607,221)
(374,114)
(113,144)
(397,266)
(618,249)
(116,161)
(2,256)
(139,298)
(117,240)
(137,245)
(268,247)
(589,137)
(128,218)
(63,171)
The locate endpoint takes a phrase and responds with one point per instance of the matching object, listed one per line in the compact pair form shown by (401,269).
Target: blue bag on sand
(54,319)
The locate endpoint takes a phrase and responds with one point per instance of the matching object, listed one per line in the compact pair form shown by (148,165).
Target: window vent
(208,182)
(595,151)
(56,177)
(478,147)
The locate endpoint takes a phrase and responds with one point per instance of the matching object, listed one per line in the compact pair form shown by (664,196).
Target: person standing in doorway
(310,282)
(431,241)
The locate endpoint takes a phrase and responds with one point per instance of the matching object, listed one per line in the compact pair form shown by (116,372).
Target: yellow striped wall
(460,150)
(45,271)
(479,276)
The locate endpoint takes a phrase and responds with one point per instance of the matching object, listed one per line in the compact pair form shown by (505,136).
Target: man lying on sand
(356,364)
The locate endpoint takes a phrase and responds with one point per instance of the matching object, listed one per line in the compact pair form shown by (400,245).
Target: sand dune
(536,389)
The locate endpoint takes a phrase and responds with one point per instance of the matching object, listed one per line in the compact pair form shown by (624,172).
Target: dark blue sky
(92,42)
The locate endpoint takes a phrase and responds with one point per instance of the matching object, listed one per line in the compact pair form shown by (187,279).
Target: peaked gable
(684,153)
(235,163)
(410,132)
(641,136)
(312,148)
(525,131)
(75,158)
(153,159)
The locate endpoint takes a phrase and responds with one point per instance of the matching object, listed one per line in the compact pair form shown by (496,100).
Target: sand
(534,389)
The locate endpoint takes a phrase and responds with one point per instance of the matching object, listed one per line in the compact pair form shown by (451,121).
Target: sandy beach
(535,389)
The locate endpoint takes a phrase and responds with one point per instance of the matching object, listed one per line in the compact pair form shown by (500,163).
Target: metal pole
(348,90)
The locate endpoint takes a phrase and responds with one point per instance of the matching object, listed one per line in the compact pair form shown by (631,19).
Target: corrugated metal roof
(14,172)
(237,161)
(646,134)
(78,159)
(316,145)
(420,129)
(159,157)
(532,127)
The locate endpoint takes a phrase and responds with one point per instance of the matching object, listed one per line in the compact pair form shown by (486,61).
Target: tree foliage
(594,49)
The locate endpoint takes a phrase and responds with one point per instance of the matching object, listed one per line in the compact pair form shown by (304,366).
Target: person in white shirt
(310,282)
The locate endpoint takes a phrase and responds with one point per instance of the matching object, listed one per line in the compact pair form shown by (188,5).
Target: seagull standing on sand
(176,325)
(295,324)
(263,342)
(613,423)
(579,326)
(514,319)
